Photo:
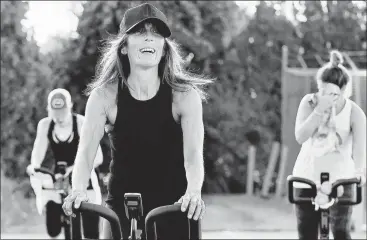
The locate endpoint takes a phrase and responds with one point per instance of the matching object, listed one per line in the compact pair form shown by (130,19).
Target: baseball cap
(134,16)
(59,99)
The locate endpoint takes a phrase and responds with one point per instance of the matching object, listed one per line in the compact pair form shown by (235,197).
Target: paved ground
(206,235)
(234,216)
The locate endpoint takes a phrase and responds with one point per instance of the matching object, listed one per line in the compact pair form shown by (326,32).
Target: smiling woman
(152,108)
(52,18)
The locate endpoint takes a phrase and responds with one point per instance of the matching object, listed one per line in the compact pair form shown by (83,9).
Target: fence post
(281,175)
(250,169)
(270,169)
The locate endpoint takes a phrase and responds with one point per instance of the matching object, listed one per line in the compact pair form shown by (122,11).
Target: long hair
(171,69)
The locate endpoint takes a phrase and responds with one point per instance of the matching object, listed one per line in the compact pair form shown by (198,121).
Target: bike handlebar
(291,179)
(111,216)
(104,212)
(153,215)
(46,171)
(341,182)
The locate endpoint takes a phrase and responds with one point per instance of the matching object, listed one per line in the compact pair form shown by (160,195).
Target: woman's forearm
(91,134)
(305,130)
(195,173)
(82,170)
(359,146)
(360,160)
(359,137)
(37,159)
(98,160)
(359,156)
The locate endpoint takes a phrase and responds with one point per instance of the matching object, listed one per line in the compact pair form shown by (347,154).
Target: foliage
(25,81)
(242,51)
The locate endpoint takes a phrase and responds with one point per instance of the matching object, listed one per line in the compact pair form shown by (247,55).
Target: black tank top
(64,150)
(147,150)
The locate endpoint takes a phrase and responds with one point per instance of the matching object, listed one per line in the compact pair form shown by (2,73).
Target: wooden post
(270,169)
(284,58)
(302,61)
(319,60)
(284,104)
(222,182)
(281,175)
(251,156)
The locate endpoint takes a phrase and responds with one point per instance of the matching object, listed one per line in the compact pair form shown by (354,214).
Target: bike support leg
(324,224)
(324,214)
(134,230)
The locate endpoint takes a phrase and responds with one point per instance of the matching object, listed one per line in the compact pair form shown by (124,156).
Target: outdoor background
(242,44)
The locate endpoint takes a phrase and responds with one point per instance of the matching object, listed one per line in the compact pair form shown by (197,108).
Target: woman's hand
(324,102)
(75,197)
(193,202)
(327,96)
(361,174)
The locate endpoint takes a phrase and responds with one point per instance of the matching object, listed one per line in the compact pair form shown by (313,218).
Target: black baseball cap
(134,16)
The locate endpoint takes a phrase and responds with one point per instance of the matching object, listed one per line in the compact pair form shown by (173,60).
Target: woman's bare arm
(193,137)
(98,160)
(358,124)
(41,143)
(91,135)
(307,120)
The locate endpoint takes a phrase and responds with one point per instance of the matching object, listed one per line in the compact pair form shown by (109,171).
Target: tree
(25,81)
(331,25)
(248,95)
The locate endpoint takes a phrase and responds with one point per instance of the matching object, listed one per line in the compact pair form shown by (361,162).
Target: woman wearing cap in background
(151,109)
(61,130)
(332,131)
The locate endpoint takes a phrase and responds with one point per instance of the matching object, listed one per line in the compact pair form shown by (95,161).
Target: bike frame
(151,219)
(159,212)
(324,213)
(63,192)
(134,211)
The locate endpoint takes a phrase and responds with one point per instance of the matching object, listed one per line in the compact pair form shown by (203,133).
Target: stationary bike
(55,217)
(134,207)
(320,200)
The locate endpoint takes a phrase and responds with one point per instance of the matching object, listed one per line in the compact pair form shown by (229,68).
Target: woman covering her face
(332,131)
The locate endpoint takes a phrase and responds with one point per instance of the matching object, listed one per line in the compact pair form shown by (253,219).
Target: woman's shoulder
(310,99)
(44,122)
(308,96)
(185,94)
(105,92)
(356,111)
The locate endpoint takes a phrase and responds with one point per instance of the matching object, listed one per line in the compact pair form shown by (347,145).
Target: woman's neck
(66,124)
(144,82)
